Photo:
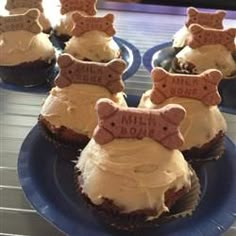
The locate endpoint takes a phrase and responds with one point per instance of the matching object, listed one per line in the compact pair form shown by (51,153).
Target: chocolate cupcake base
(182,204)
(212,150)
(29,74)
(62,136)
(68,144)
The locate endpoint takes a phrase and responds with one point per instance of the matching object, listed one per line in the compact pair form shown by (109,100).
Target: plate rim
(137,59)
(37,201)
(148,55)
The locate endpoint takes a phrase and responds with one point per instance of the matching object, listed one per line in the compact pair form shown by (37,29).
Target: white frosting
(74,106)
(94,45)
(43,20)
(201,123)
(134,174)
(20,46)
(66,23)
(180,37)
(209,57)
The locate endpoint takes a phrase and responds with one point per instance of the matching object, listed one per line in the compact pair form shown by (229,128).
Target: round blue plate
(162,56)
(130,54)
(48,183)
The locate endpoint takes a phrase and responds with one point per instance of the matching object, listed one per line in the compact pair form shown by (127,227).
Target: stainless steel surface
(19,111)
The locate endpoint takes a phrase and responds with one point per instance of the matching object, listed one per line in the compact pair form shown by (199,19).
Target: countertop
(19,112)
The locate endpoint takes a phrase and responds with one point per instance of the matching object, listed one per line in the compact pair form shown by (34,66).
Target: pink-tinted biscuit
(83,24)
(28,22)
(201,36)
(88,6)
(108,75)
(211,20)
(13,4)
(203,87)
(161,125)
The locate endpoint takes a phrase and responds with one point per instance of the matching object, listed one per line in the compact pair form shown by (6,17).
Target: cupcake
(131,173)
(24,50)
(22,6)
(206,19)
(207,49)
(210,49)
(68,8)
(93,39)
(68,114)
(204,126)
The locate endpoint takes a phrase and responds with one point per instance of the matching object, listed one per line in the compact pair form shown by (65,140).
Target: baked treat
(207,19)
(207,49)
(92,39)
(25,50)
(22,6)
(68,112)
(204,126)
(68,8)
(130,172)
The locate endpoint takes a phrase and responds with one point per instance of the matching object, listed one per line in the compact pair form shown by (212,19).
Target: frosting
(94,45)
(74,106)
(134,174)
(66,23)
(180,37)
(27,48)
(43,20)
(208,57)
(201,124)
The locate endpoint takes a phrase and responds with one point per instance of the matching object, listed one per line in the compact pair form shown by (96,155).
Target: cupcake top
(22,6)
(78,86)
(68,8)
(207,19)
(21,39)
(134,150)
(208,49)
(93,38)
(198,94)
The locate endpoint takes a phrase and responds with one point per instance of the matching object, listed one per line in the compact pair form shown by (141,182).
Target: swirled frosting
(134,174)
(65,26)
(74,106)
(209,57)
(201,124)
(179,38)
(94,45)
(17,47)
(43,20)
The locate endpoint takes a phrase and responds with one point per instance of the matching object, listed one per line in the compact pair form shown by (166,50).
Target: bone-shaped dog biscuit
(203,87)
(161,125)
(13,4)
(88,6)
(211,20)
(83,24)
(108,75)
(201,36)
(28,22)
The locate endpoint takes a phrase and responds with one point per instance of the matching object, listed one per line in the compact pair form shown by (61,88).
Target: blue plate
(130,54)
(162,56)
(48,183)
